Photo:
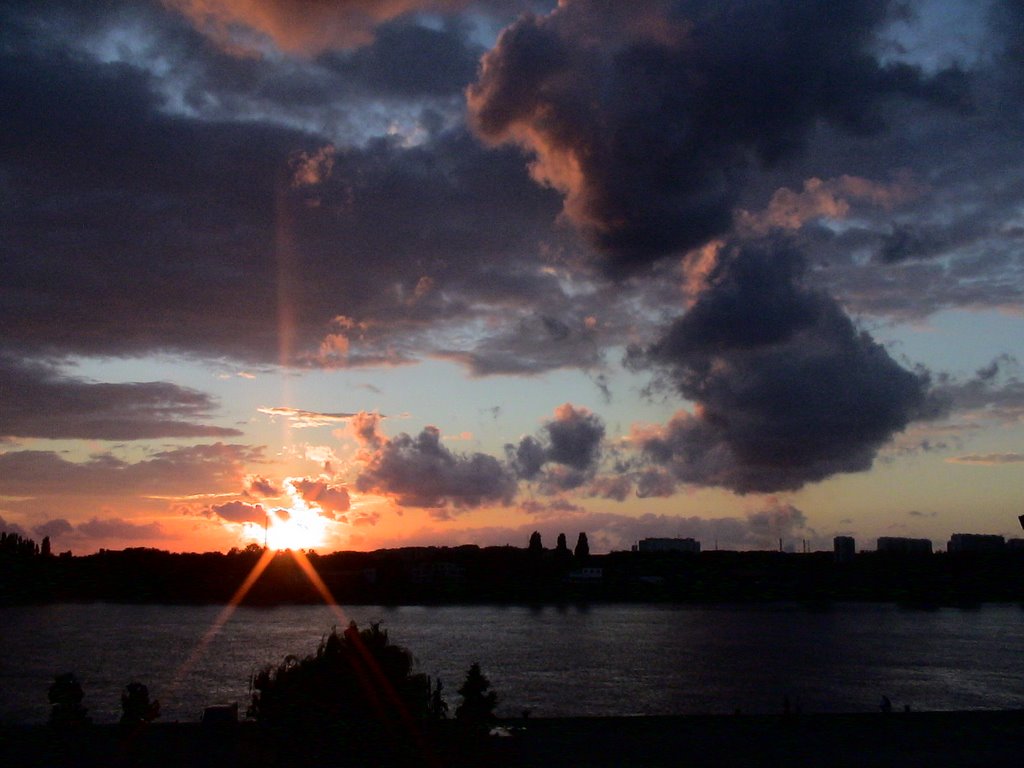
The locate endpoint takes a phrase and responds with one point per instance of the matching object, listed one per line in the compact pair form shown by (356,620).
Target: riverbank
(925,739)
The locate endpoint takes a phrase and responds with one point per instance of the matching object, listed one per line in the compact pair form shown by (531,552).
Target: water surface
(597,660)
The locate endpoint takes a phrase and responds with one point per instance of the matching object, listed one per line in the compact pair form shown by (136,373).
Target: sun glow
(297,528)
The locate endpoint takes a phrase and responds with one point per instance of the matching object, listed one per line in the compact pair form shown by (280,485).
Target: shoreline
(935,739)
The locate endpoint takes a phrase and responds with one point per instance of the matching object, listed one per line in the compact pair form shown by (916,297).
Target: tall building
(975,542)
(844,548)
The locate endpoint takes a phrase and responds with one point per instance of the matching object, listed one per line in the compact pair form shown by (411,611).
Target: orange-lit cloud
(308,27)
(832,198)
(312,168)
(332,499)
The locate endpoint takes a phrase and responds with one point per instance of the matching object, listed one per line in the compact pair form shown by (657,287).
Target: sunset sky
(414,272)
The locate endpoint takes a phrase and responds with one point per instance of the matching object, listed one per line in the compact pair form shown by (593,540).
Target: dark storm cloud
(574,436)
(38,401)
(129,230)
(787,390)
(567,453)
(536,344)
(199,468)
(647,115)
(409,60)
(421,472)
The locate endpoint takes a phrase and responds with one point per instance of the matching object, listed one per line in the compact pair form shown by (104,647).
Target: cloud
(137,206)
(787,390)
(412,60)
(537,343)
(421,472)
(364,428)
(995,392)
(617,487)
(332,499)
(777,521)
(988,459)
(574,436)
(241,25)
(831,199)
(58,528)
(301,419)
(118,528)
(177,471)
(648,116)
(238,512)
(12,527)
(255,485)
(566,454)
(39,401)
(552,508)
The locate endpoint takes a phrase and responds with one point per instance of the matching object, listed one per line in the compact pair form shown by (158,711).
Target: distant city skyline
(432,273)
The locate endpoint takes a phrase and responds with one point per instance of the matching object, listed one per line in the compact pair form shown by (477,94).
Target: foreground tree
(136,708)
(357,692)
(65,697)
(478,701)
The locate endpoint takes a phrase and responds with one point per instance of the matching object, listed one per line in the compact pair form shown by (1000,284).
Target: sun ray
(222,618)
(377,683)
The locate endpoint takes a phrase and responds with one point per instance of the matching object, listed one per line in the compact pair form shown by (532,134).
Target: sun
(297,528)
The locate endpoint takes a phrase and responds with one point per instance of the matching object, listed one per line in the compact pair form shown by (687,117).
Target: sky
(364,274)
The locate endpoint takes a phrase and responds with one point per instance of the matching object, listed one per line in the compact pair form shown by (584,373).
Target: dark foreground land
(932,739)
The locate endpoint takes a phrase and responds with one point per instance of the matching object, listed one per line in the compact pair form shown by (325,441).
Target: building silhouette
(902,545)
(975,542)
(669,545)
(844,548)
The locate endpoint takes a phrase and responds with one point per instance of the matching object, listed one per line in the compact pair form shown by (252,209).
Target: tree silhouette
(562,553)
(438,706)
(478,702)
(582,551)
(536,547)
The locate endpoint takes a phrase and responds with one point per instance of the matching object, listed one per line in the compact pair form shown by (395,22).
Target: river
(577,660)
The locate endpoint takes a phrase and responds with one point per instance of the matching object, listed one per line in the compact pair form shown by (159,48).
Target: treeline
(530,574)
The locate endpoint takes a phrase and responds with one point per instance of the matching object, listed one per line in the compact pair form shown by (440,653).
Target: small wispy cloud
(301,419)
(988,459)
